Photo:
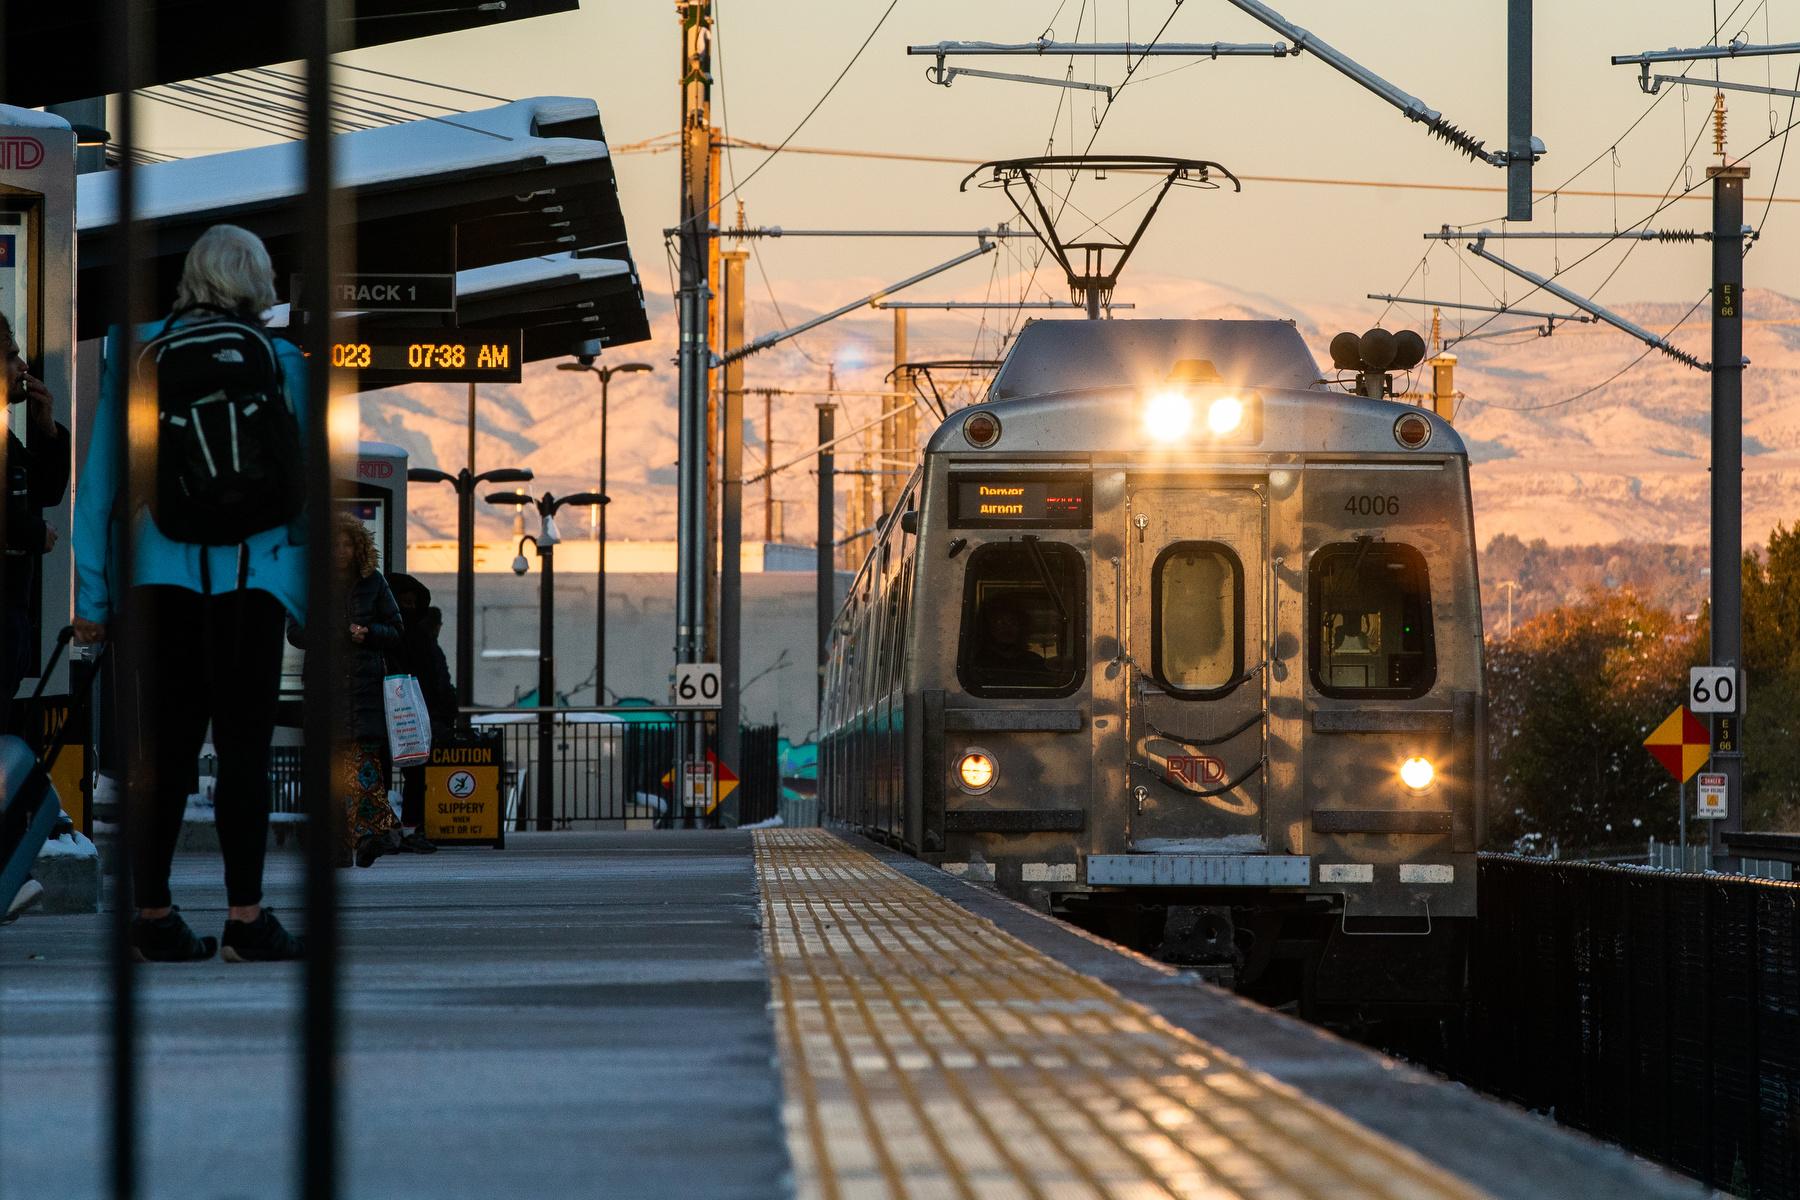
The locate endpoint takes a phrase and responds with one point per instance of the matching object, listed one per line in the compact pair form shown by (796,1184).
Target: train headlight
(1224,415)
(1168,416)
(1417,773)
(977,771)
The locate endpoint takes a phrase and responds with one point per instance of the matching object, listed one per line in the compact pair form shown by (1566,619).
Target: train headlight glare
(1417,773)
(976,771)
(1225,414)
(1168,416)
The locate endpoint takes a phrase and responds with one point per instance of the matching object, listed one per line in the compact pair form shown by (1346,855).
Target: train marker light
(1225,414)
(982,430)
(1168,415)
(1417,773)
(976,771)
(1412,431)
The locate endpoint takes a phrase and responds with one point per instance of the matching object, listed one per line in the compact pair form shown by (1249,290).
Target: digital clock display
(391,357)
(1033,501)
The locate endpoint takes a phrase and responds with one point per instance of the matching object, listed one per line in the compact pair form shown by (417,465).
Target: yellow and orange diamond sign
(1681,744)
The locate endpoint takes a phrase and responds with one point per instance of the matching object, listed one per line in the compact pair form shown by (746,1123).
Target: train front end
(1201,665)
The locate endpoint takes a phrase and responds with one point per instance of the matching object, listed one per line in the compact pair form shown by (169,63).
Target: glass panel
(1018,634)
(1200,590)
(1371,621)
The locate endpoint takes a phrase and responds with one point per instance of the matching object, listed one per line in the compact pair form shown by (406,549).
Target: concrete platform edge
(1512,1153)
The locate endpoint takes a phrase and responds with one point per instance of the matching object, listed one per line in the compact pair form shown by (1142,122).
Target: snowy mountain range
(1628,460)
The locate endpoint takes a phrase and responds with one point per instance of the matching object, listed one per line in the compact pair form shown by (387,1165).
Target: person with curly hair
(374,630)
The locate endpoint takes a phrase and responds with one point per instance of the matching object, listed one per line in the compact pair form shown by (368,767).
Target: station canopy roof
(492,195)
(61,50)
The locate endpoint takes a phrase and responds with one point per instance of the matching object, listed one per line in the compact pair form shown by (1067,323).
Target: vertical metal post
(894,445)
(694,357)
(731,517)
(1681,808)
(768,461)
(1518,110)
(465,582)
(1727,471)
(546,748)
(127,56)
(600,559)
(320,24)
(826,594)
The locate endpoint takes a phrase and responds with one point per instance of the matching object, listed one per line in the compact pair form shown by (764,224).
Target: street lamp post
(465,484)
(545,541)
(604,374)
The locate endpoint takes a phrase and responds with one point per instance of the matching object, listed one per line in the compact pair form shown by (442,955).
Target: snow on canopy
(414,150)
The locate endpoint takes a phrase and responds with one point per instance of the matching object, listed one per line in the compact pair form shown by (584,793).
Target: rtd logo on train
(20,153)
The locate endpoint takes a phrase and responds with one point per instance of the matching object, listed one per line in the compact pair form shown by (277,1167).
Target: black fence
(1655,1010)
(605,773)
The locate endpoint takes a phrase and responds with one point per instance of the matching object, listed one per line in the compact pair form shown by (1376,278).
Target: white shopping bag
(408,725)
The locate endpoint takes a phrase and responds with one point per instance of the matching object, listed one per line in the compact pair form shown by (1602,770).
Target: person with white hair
(218,565)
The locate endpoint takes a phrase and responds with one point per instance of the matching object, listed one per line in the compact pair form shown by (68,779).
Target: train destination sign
(1002,500)
(390,357)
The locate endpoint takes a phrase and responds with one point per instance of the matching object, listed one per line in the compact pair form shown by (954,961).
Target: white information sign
(697,685)
(1710,805)
(1715,690)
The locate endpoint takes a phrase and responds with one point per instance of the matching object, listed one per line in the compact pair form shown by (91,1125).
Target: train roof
(1109,420)
(1058,356)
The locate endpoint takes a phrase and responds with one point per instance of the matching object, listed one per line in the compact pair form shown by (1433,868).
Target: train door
(1197,697)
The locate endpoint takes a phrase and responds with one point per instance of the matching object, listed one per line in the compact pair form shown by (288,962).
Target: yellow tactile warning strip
(927,1053)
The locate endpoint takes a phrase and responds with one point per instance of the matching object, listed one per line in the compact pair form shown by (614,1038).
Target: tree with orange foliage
(1571,696)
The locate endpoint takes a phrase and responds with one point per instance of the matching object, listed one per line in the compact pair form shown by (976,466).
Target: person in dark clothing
(36,478)
(423,657)
(375,630)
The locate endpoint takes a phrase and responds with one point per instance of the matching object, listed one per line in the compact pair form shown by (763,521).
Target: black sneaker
(168,939)
(375,845)
(261,940)
(417,843)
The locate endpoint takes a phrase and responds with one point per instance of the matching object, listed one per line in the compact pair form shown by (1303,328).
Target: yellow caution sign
(462,792)
(1681,744)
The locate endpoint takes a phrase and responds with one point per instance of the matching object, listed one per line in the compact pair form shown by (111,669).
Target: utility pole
(731,518)
(826,594)
(694,357)
(768,460)
(905,423)
(710,561)
(1727,462)
(1511,588)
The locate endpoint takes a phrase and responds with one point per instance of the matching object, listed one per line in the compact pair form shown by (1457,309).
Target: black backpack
(228,446)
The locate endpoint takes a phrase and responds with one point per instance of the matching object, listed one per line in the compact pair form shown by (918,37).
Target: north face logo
(228,355)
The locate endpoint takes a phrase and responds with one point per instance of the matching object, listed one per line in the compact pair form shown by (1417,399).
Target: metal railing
(1697,859)
(614,768)
(1657,1010)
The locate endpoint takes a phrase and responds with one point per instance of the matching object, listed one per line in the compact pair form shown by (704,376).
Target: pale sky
(1300,243)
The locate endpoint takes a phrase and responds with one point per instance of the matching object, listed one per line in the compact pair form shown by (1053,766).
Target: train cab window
(1370,621)
(1197,618)
(1022,619)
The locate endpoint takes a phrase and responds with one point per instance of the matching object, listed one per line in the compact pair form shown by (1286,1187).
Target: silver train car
(1169,638)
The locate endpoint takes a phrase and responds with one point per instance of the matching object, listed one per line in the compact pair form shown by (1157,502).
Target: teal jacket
(277,557)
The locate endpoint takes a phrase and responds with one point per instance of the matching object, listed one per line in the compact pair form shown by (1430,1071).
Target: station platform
(784,1013)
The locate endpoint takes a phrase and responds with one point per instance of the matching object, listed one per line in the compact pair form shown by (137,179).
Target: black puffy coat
(423,656)
(364,664)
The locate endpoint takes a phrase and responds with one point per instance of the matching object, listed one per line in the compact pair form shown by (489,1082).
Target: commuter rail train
(1168,637)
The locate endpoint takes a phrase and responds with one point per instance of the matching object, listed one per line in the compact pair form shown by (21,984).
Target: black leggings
(209,658)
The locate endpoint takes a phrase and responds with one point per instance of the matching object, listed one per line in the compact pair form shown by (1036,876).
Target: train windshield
(1020,629)
(1371,636)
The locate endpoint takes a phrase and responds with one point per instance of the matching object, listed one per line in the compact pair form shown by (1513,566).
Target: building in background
(779,660)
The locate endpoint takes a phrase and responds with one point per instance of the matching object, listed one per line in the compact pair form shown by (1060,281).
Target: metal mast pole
(465,584)
(827,589)
(768,457)
(731,517)
(600,560)
(1519,156)
(546,751)
(1727,469)
(694,356)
